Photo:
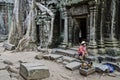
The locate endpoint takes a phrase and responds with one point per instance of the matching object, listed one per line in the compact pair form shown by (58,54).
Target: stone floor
(10,65)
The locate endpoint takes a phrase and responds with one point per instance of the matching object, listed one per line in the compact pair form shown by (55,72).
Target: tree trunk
(16,29)
(28,42)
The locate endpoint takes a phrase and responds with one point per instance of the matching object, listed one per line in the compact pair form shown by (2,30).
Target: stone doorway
(81,30)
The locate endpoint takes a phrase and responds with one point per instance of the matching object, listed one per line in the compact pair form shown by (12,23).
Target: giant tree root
(26,44)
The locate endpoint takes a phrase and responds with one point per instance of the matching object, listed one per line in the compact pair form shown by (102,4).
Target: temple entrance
(81,30)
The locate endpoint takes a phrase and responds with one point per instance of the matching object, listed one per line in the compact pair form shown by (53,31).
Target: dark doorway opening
(81,30)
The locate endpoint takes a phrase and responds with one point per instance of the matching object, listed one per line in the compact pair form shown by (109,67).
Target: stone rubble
(73,65)
(34,71)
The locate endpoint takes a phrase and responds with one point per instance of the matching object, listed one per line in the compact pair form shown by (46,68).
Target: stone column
(92,48)
(65,41)
(112,41)
(101,42)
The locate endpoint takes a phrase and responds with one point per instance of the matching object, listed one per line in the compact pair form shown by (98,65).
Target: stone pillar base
(112,47)
(101,51)
(92,50)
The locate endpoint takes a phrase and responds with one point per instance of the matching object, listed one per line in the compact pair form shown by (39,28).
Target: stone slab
(73,65)
(4,75)
(34,71)
(60,60)
(55,56)
(69,59)
(64,52)
(47,56)
(8,46)
(65,62)
(2,66)
(86,72)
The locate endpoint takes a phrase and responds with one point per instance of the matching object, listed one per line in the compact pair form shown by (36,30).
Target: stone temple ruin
(95,21)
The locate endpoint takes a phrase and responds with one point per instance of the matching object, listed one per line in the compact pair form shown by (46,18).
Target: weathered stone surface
(52,56)
(68,59)
(55,56)
(8,46)
(86,72)
(34,71)
(4,75)
(113,59)
(47,56)
(69,53)
(8,62)
(101,58)
(73,65)
(2,66)
(90,58)
(13,69)
(65,62)
(14,79)
(60,60)
(39,56)
(13,75)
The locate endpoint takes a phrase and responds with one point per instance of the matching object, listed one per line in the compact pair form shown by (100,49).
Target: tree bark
(16,29)
(28,42)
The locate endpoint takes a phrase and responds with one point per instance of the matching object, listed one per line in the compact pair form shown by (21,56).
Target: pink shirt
(82,49)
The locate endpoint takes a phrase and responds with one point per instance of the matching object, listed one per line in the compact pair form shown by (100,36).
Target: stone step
(65,62)
(73,65)
(64,52)
(34,71)
(69,59)
(91,58)
(52,56)
(75,48)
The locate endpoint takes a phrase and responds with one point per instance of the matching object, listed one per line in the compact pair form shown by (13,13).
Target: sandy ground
(57,70)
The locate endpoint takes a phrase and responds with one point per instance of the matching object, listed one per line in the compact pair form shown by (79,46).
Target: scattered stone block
(65,62)
(47,56)
(73,65)
(60,60)
(87,72)
(34,71)
(69,59)
(9,46)
(39,56)
(55,56)
(8,62)
(13,69)
(3,66)
(4,75)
